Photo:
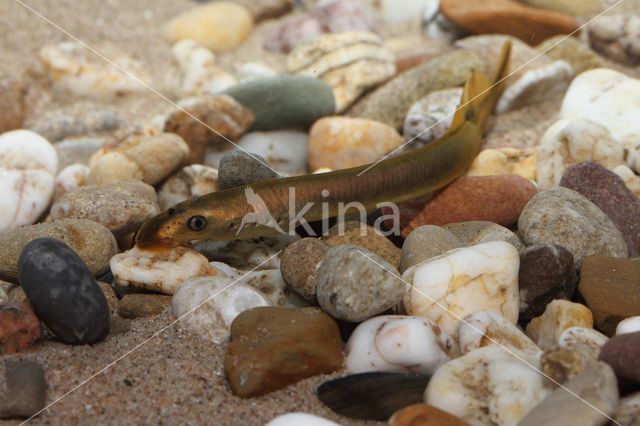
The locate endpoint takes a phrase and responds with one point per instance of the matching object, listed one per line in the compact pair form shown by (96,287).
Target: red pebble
(19,327)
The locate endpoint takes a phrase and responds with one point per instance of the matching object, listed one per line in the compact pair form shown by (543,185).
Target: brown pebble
(621,353)
(142,305)
(299,265)
(562,364)
(12,93)
(365,236)
(424,415)
(19,327)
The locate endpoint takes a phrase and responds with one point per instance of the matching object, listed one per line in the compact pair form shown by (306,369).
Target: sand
(136,376)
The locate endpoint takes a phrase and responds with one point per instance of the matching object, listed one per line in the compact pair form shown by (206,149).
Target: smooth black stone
(372,396)
(239,168)
(23,389)
(63,292)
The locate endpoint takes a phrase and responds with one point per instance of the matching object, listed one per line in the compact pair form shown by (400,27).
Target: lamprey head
(195,219)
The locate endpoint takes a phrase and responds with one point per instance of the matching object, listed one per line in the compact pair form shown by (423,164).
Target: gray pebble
(23,388)
(426,242)
(478,232)
(240,168)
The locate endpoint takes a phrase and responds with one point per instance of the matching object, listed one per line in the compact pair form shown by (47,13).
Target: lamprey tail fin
(479,97)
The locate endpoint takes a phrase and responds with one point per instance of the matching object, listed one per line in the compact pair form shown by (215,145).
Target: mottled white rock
(628,325)
(70,178)
(191,181)
(609,98)
(193,70)
(28,163)
(207,305)
(463,281)
(630,179)
(488,386)
(300,419)
(254,71)
(583,339)
(270,283)
(576,402)
(159,270)
(430,118)
(75,69)
(398,343)
(559,315)
(571,141)
(486,328)
(285,150)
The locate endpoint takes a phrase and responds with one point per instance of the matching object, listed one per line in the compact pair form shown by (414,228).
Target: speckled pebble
(478,232)
(430,118)
(139,305)
(355,284)
(20,328)
(425,242)
(299,265)
(23,389)
(56,125)
(191,181)
(270,283)
(240,168)
(365,236)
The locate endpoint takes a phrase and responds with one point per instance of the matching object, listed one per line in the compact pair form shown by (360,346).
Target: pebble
(241,168)
(191,181)
(558,316)
(335,17)
(109,294)
(535,77)
(531,25)
(571,7)
(70,178)
(561,364)
(628,325)
(499,199)
(300,419)
(596,386)
(571,141)
(299,265)
(608,191)
(23,389)
(585,339)
(90,118)
(546,273)
(608,97)
(611,289)
(424,415)
(284,150)
(343,142)
(93,242)
(562,216)
(209,121)
(271,348)
(160,270)
(426,242)
(139,305)
(28,163)
(617,37)
(19,328)
(267,9)
(505,161)
(478,232)
(365,236)
(462,281)
(82,73)
(629,177)
(628,411)
(207,305)
(355,284)
(390,102)
(575,52)
(621,353)
(351,63)
(121,207)
(149,159)
(219,26)
(430,118)
(12,108)
(63,292)
(77,150)
(399,344)
(301,101)
(484,328)
(488,386)
(193,71)
(270,283)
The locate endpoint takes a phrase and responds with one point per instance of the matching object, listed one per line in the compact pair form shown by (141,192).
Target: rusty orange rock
(19,327)
(424,415)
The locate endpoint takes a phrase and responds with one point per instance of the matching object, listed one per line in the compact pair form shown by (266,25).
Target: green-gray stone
(285,102)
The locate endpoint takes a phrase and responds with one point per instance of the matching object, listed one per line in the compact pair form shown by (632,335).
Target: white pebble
(191,181)
(70,178)
(300,419)
(628,325)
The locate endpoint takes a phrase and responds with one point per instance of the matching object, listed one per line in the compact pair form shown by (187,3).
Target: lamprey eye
(197,223)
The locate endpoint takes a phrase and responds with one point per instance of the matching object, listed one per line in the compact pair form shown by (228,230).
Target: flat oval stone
(63,292)
(355,284)
(621,353)
(299,265)
(23,388)
(240,168)
(285,102)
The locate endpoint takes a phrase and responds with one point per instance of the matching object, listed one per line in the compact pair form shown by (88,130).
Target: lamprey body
(270,207)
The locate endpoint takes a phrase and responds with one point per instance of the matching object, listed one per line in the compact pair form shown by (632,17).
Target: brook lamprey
(269,207)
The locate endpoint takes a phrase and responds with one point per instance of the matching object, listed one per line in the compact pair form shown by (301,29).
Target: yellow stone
(342,142)
(559,315)
(219,26)
(505,161)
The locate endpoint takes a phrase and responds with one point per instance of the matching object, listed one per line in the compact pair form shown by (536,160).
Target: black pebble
(63,292)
